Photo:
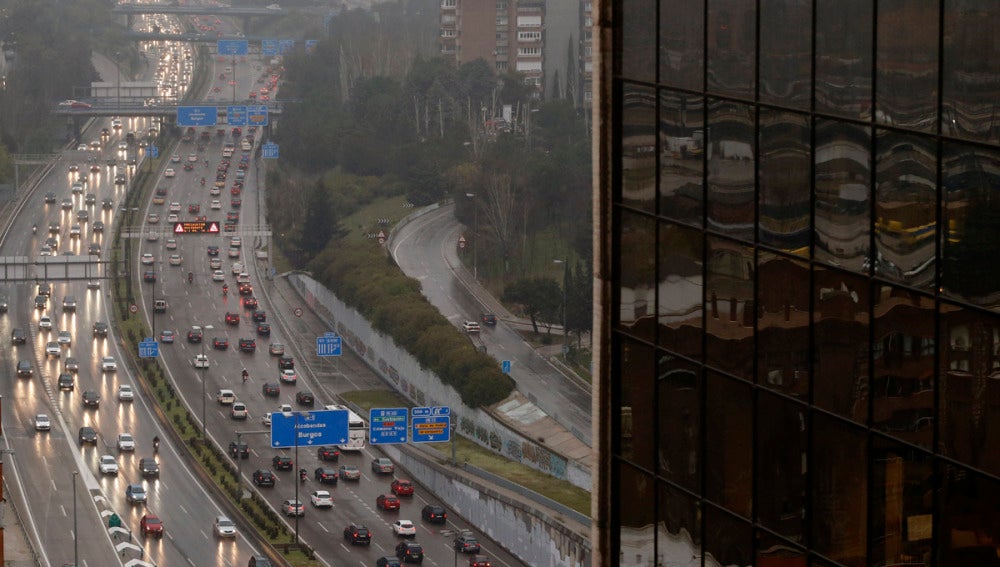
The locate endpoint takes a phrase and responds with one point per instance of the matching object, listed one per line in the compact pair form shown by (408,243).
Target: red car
(401,487)
(387,502)
(151,525)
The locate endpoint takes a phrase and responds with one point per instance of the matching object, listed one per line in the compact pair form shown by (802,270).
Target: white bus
(357,429)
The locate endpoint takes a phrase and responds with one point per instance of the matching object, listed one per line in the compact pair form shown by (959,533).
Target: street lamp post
(76,536)
(565,278)
(475,236)
(118,84)
(204,380)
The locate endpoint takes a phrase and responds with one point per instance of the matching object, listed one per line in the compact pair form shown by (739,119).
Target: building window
(501,6)
(529,36)
(449,3)
(529,51)
(448,33)
(501,36)
(502,21)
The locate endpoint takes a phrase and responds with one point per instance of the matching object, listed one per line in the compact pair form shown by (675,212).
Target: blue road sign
(269,46)
(149,348)
(430,424)
(236,115)
(269,150)
(313,428)
(387,426)
(154,152)
(197,115)
(257,114)
(311,46)
(232,47)
(505,366)
(285,45)
(328,345)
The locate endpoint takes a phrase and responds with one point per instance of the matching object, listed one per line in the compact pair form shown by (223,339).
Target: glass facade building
(799,251)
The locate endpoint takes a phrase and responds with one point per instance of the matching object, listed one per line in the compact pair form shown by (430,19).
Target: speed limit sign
(298,311)
(133,308)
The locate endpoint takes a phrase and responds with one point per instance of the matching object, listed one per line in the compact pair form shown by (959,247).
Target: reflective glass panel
(678,392)
(731,169)
(968,525)
(971,70)
(907,60)
(678,528)
(783,325)
(682,153)
(682,289)
(731,310)
(906,208)
(772,550)
(839,495)
(784,176)
(637,399)
(637,294)
(732,45)
(786,52)
(781,444)
(638,36)
(903,374)
(843,194)
(844,57)
(682,44)
(901,496)
(637,516)
(638,183)
(728,540)
(840,342)
(971,181)
(729,444)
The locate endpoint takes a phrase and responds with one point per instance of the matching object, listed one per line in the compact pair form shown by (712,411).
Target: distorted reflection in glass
(637,296)
(970,178)
(728,540)
(774,550)
(903,376)
(843,193)
(732,39)
(681,290)
(786,52)
(970,71)
(678,409)
(682,44)
(844,57)
(906,208)
(840,343)
(783,175)
(730,305)
(901,500)
(907,64)
(638,182)
(678,527)
(682,152)
(968,524)
(780,452)
(637,395)
(638,50)
(839,500)
(637,531)
(729,443)
(731,169)
(783,325)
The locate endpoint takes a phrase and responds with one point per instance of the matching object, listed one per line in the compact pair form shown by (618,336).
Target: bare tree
(502,211)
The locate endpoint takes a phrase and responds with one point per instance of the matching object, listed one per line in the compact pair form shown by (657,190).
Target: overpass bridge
(244,13)
(126,107)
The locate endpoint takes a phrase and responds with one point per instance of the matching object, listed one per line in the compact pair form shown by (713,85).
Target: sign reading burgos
(184,227)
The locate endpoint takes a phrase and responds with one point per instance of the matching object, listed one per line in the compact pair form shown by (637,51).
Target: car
(239,450)
(305,398)
(173,217)
(328,454)
(195,334)
(175,260)
(276,349)
(64,338)
(247,289)
(382,465)
(248,345)
(149,276)
(149,468)
(288,376)
(108,465)
(87,435)
(218,276)
(258,316)
(42,422)
(466,543)
(120,179)
(232,319)
(52,349)
(388,561)
(98,226)
(170,244)
(200,361)
(151,525)
(169,173)
(67,204)
(326,475)
(349,472)
(153,218)
(479,561)
(263,329)
(259,561)
(220,343)
(41,302)
(387,502)
(225,397)
(213,250)
(69,303)
(167,336)
(24,369)
(215,205)
(286,362)
(238,411)
(293,507)
(71,365)
(216,265)
(66,381)
(125,393)
(234,252)
(321,499)
(410,552)
(282,463)
(404,528)
(107,204)
(263,478)
(358,534)
(135,494)
(265,420)
(91,399)
(147,259)
(18,336)
(74,232)
(100,329)
(223,527)
(471,327)
(434,514)
(94,249)
(108,364)
(401,487)
(175,158)
(235,241)
(126,443)
(76,188)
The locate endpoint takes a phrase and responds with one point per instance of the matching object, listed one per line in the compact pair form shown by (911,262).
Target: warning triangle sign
(213,227)
(178,228)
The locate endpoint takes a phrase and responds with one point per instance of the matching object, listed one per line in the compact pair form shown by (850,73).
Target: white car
(108,465)
(236,241)
(125,393)
(238,411)
(45,322)
(404,528)
(169,173)
(218,276)
(152,236)
(215,264)
(52,349)
(42,422)
(175,158)
(284,408)
(175,207)
(288,376)
(266,420)
(172,217)
(108,364)
(126,442)
(153,218)
(64,338)
(226,397)
(234,252)
(215,191)
(175,260)
(148,259)
(171,244)
(471,327)
(224,527)
(321,499)
(200,361)
(215,205)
